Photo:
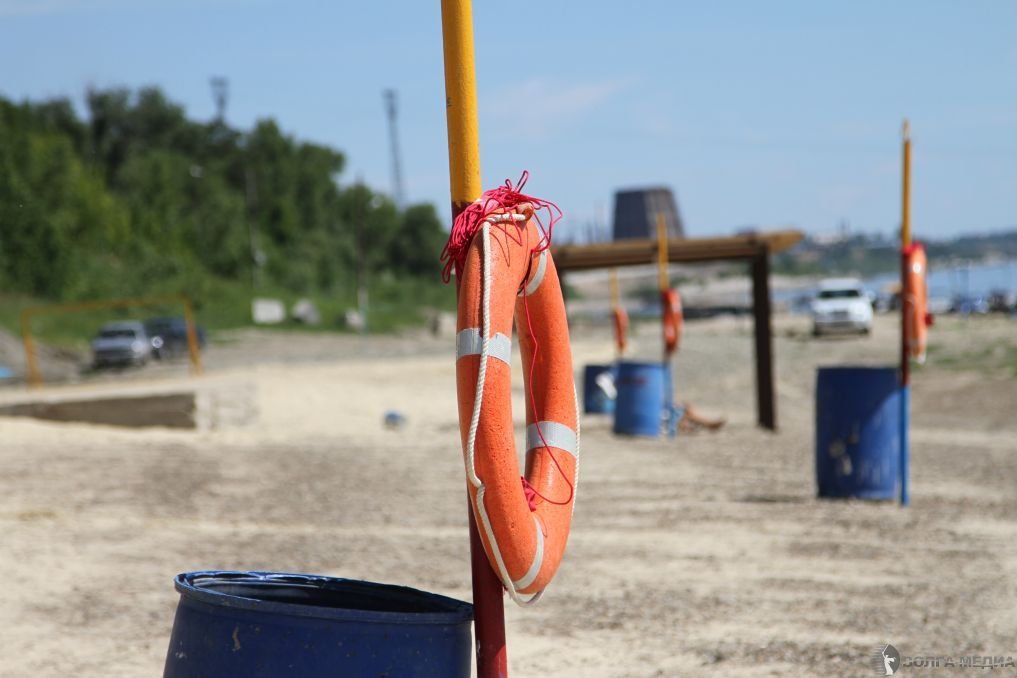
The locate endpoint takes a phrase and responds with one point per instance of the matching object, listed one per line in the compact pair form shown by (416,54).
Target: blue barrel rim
(642,363)
(435,608)
(857,368)
(595,399)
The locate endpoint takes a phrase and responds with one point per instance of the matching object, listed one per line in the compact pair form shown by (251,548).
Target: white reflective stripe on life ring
(468,342)
(555,434)
(538,276)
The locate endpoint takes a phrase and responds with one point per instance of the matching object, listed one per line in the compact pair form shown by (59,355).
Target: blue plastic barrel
(644,399)
(270,624)
(858,417)
(599,391)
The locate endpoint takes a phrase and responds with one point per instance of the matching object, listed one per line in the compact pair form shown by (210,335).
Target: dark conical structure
(635,213)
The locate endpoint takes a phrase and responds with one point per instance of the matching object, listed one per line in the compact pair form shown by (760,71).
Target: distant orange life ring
(916,293)
(672,319)
(524,525)
(621,328)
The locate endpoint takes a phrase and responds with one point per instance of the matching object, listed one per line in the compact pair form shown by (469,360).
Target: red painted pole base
(488,611)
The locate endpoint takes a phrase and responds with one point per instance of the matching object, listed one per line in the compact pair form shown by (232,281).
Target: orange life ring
(621,328)
(916,293)
(525,525)
(672,319)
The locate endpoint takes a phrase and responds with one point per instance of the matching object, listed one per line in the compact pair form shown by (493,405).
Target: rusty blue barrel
(858,424)
(599,391)
(643,406)
(271,624)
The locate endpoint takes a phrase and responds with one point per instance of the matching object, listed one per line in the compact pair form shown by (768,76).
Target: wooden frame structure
(31,362)
(754,248)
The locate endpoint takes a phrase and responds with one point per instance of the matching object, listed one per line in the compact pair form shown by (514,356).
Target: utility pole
(398,194)
(251,199)
(221,96)
(360,224)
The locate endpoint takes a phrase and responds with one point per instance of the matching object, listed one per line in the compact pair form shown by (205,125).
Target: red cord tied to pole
(500,200)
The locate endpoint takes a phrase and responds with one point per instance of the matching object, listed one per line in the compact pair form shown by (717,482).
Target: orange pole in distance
(192,337)
(662,278)
(906,309)
(905,242)
(662,252)
(31,361)
(618,312)
(905,221)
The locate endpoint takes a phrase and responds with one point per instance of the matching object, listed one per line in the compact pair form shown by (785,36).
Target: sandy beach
(704,554)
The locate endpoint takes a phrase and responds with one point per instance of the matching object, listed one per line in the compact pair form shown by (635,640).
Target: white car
(841,304)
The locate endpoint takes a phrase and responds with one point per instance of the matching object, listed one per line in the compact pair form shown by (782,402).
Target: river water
(969,280)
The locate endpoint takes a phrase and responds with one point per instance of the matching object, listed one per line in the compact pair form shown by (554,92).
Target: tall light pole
(221,96)
(391,108)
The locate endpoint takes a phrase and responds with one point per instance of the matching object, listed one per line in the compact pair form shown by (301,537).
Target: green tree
(137,198)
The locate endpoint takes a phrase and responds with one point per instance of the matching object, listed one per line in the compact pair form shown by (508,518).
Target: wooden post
(193,349)
(766,406)
(31,360)
(464,174)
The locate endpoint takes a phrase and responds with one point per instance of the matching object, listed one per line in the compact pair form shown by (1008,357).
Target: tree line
(137,199)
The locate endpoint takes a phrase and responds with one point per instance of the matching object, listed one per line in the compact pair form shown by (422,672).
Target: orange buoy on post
(671,304)
(621,328)
(916,292)
(621,318)
(504,270)
(673,320)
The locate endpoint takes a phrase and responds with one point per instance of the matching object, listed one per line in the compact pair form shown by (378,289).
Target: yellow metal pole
(905,243)
(906,309)
(662,252)
(665,283)
(464,175)
(461,103)
(619,326)
(905,219)
(31,362)
(615,292)
(192,337)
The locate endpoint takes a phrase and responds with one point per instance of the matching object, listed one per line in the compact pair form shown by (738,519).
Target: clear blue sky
(756,113)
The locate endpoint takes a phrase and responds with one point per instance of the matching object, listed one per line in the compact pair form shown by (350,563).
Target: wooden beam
(756,248)
(642,251)
(766,406)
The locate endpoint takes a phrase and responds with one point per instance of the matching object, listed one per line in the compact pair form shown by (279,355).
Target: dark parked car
(969,305)
(1002,301)
(169,336)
